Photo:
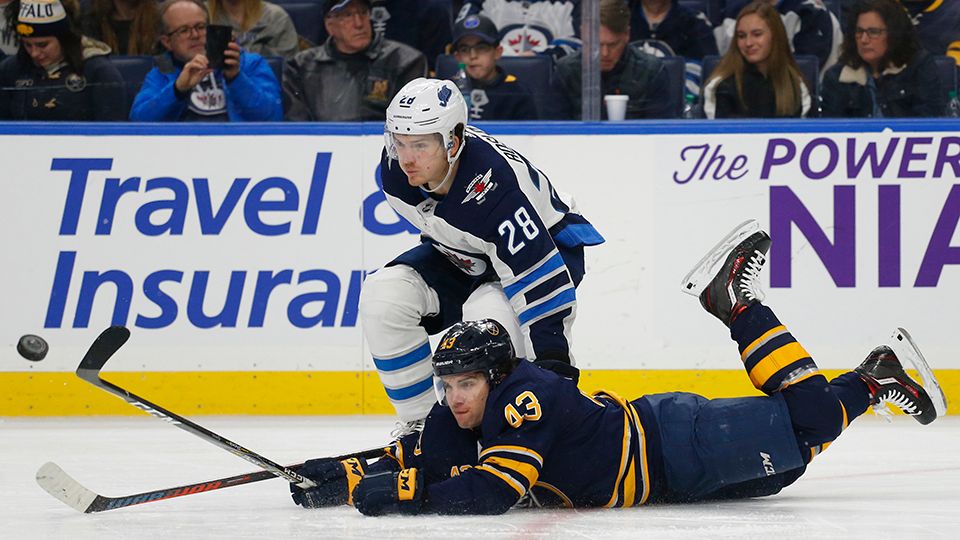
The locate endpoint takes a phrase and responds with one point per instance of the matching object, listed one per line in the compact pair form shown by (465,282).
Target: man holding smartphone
(189,83)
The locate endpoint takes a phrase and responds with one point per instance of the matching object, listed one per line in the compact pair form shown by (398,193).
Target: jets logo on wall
(479,187)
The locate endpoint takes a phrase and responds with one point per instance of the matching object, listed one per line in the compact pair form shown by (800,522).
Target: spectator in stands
(353,75)
(56,74)
(676,30)
(424,25)
(8,31)
(129,27)
(259,27)
(624,69)
(530,27)
(757,77)
(182,86)
(938,25)
(811,28)
(883,71)
(496,95)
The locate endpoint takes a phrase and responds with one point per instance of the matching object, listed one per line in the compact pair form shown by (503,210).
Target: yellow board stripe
(509,480)
(775,361)
(773,332)
(36,394)
(526,470)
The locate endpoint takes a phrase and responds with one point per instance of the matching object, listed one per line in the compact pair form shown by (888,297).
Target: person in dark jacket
(353,75)
(129,27)
(883,71)
(57,74)
(183,87)
(496,94)
(757,77)
(677,28)
(624,69)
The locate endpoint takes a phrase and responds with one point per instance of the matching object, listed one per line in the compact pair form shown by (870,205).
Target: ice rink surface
(879,480)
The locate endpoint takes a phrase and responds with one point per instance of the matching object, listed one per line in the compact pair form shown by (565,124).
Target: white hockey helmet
(424,106)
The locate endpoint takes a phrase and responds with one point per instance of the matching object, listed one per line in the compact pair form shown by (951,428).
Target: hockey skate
(884,375)
(727,278)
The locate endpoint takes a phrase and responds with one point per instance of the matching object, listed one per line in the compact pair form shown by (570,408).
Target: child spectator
(496,94)
(128,27)
(56,74)
(757,77)
(883,71)
(259,27)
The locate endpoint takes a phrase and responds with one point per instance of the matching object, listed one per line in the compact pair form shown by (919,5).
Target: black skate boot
(735,287)
(889,383)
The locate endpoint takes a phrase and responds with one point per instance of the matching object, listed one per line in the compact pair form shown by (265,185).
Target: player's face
(871,48)
(479,57)
(754,40)
(44,51)
(612,45)
(466,395)
(422,158)
(350,28)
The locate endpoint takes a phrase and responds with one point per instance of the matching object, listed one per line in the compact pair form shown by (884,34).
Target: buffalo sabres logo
(75,83)
(479,187)
(493,329)
(444,95)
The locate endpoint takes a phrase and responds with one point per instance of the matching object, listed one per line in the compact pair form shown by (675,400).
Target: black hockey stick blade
(106,345)
(65,489)
(109,341)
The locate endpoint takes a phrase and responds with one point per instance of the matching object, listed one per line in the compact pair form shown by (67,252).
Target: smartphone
(218,37)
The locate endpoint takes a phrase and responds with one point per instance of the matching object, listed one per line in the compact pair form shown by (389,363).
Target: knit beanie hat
(42,18)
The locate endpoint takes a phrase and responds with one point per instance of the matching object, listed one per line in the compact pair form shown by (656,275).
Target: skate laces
(750,280)
(899,400)
(406,428)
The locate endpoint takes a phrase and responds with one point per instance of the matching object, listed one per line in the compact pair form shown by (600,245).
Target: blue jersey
(503,220)
(536,431)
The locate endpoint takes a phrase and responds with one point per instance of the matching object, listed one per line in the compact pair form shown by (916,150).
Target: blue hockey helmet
(470,346)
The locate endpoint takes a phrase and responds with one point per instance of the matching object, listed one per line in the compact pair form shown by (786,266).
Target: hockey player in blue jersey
(492,226)
(504,429)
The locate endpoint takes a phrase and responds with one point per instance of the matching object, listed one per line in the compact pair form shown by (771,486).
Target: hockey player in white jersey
(491,226)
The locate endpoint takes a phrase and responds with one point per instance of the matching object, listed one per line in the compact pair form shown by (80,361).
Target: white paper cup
(616,106)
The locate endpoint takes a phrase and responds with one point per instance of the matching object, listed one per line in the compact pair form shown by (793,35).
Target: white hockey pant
(392,302)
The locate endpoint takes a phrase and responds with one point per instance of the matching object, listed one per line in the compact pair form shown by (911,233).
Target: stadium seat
(276,64)
(134,70)
(535,72)
(809,65)
(676,71)
(307,19)
(947,70)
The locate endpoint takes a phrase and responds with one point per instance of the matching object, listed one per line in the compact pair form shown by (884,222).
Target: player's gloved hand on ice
(560,367)
(399,492)
(335,482)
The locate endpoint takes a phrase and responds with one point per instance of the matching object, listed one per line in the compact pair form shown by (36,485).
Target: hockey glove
(561,368)
(335,482)
(390,493)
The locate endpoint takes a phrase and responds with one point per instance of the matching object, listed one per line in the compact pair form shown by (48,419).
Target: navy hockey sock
(817,414)
(772,357)
(853,393)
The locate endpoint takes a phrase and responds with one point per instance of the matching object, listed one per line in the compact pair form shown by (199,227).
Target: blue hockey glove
(390,493)
(335,482)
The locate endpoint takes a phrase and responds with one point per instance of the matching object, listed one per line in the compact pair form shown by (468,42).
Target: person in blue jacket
(183,87)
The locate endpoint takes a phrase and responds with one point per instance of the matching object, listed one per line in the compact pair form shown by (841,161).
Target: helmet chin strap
(446,178)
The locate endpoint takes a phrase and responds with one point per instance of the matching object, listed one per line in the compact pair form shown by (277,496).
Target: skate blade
(905,349)
(697,279)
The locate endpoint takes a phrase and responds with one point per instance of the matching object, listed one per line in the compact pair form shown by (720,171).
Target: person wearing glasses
(184,87)
(353,75)
(496,94)
(883,71)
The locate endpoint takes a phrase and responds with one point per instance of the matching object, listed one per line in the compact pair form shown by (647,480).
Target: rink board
(236,253)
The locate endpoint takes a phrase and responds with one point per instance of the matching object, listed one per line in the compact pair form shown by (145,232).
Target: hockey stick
(64,488)
(107,344)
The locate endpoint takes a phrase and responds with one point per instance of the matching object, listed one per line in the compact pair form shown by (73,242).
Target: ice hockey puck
(32,347)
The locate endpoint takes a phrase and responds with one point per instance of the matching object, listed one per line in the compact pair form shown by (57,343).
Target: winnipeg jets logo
(479,187)
(472,266)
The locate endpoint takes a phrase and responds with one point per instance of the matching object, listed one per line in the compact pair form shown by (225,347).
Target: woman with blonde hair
(258,26)
(128,27)
(757,77)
